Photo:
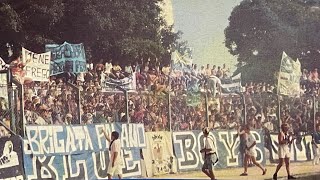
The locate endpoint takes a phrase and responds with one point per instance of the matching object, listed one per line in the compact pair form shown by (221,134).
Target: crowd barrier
(81,151)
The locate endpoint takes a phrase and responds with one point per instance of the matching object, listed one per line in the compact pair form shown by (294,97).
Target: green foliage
(260,30)
(125,31)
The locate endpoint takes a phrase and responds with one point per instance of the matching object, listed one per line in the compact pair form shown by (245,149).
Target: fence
(177,111)
(11,103)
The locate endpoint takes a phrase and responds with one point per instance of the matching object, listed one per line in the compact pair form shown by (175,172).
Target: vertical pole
(10,101)
(244,109)
(207,109)
(279,113)
(169,99)
(79,105)
(15,110)
(314,112)
(169,111)
(127,106)
(22,121)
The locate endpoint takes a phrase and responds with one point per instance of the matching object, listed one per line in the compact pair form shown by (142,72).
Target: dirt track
(305,171)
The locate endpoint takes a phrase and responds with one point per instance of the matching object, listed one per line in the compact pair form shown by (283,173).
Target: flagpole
(169,94)
(279,95)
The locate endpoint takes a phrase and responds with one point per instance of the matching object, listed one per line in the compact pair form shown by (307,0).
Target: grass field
(305,171)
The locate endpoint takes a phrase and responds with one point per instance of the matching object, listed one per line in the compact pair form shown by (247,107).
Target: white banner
(36,65)
(289,76)
(158,155)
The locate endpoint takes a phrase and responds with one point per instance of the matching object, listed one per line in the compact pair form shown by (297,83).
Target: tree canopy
(260,30)
(124,31)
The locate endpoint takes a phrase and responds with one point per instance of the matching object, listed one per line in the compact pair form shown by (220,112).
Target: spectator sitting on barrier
(117,71)
(154,83)
(128,70)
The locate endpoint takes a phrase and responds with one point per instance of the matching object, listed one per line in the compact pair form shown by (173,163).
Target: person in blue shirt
(316,142)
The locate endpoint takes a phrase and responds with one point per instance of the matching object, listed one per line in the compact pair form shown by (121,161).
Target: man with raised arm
(115,164)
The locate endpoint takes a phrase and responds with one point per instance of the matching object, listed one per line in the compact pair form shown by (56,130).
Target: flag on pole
(289,76)
(181,62)
(233,86)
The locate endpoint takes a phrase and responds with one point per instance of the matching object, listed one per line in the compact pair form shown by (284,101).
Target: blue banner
(67,58)
(80,152)
(187,146)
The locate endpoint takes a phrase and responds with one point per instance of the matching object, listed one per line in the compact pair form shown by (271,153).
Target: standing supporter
(108,69)
(209,151)
(250,151)
(202,71)
(214,85)
(268,125)
(68,119)
(219,73)
(87,119)
(214,70)
(44,117)
(285,140)
(208,71)
(316,142)
(115,163)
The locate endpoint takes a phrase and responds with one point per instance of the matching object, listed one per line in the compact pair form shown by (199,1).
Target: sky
(202,23)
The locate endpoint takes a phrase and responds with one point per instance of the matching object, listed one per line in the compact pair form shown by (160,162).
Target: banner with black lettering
(187,146)
(128,83)
(80,152)
(11,164)
(36,65)
(67,58)
(301,149)
(158,156)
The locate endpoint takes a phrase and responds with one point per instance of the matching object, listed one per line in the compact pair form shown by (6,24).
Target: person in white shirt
(115,164)
(214,85)
(250,151)
(268,124)
(285,140)
(210,155)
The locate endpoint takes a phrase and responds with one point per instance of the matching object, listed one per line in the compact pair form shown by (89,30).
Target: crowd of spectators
(58,102)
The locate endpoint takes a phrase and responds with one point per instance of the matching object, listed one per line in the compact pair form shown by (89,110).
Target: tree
(260,30)
(125,31)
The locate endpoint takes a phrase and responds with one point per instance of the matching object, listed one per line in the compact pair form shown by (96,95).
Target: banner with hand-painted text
(67,58)
(158,156)
(80,152)
(289,76)
(127,83)
(36,65)
(187,146)
(11,163)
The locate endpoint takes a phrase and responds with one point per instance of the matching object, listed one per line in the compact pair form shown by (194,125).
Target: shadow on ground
(315,176)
